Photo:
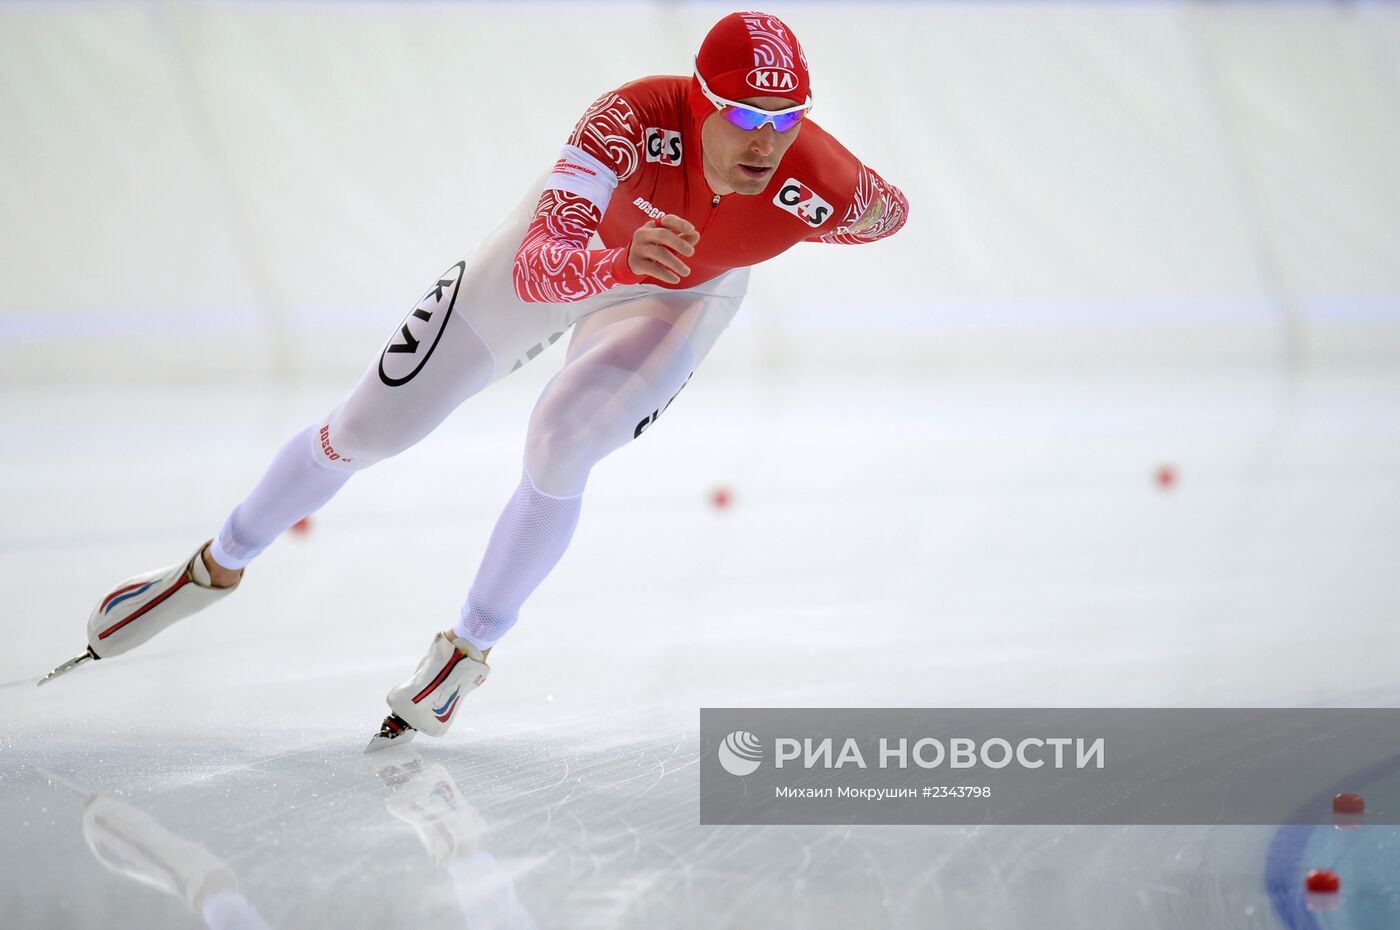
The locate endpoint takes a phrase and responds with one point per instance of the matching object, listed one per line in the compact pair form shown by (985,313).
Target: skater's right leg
(433,361)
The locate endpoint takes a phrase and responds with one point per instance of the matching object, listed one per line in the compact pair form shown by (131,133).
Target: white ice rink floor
(893,540)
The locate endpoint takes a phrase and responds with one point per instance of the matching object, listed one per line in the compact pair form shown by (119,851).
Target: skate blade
(395,731)
(67,667)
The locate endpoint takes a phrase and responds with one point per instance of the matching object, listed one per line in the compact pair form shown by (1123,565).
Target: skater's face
(744,161)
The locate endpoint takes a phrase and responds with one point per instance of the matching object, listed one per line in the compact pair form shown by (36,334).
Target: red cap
(753,55)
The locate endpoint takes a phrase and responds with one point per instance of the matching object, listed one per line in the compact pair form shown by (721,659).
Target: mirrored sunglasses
(750,118)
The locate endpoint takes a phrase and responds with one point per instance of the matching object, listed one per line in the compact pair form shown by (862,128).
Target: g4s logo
(802,202)
(664,146)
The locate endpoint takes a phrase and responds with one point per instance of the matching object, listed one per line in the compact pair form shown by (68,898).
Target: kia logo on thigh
(402,359)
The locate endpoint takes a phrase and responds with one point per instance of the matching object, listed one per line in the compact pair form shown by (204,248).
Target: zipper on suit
(709,215)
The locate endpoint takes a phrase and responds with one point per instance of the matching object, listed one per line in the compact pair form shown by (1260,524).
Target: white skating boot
(429,699)
(141,607)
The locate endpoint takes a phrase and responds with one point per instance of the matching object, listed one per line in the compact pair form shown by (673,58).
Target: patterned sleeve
(554,263)
(878,210)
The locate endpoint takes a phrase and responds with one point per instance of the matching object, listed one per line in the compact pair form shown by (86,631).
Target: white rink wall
(263,189)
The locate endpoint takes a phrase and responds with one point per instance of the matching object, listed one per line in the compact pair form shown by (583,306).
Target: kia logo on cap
(772,79)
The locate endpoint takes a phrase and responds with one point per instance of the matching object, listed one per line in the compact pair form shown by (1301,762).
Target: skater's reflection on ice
(132,844)
(425,796)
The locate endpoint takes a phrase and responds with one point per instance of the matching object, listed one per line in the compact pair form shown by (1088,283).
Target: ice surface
(974,540)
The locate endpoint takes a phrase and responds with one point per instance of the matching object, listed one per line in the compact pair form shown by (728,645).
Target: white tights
(631,353)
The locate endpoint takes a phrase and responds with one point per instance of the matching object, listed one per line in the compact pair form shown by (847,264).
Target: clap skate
(428,700)
(141,607)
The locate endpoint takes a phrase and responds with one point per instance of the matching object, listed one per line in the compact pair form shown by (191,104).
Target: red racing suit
(635,155)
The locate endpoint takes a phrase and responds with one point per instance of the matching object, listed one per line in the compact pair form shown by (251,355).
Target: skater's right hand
(657,248)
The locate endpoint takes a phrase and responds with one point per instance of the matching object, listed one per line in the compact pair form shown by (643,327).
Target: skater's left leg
(626,363)
(625,366)
(591,407)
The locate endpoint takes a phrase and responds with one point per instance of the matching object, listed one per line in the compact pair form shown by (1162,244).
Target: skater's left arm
(877,210)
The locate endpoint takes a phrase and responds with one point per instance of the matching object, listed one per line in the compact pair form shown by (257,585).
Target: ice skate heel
(429,699)
(141,607)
